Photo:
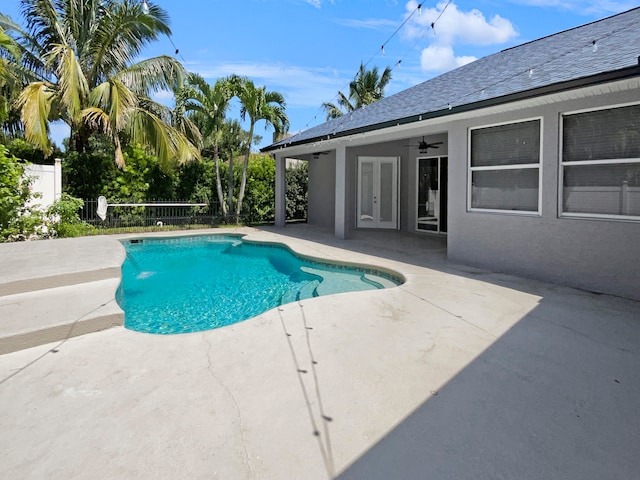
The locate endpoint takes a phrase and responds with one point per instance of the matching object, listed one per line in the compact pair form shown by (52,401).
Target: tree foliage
(258,103)
(81,54)
(297,178)
(367,88)
(18,216)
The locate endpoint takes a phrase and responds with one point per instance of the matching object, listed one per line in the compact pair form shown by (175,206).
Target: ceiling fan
(316,155)
(424,146)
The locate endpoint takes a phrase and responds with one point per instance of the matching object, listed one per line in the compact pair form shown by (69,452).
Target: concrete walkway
(459,373)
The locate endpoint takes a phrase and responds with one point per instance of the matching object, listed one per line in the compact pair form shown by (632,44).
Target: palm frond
(333,111)
(169,145)
(121,35)
(116,99)
(9,45)
(35,104)
(72,83)
(151,75)
(97,119)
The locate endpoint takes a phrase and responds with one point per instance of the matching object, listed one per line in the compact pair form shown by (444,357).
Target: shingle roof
(552,60)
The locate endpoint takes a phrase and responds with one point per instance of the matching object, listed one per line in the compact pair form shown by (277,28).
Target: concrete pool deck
(459,373)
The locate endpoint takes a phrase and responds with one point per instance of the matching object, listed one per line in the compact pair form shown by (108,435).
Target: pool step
(56,314)
(335,281)
(378,280)
(40,265)
(308,290)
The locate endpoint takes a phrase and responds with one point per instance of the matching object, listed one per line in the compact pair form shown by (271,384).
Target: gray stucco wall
(598,255)
(593,254)
(322,199)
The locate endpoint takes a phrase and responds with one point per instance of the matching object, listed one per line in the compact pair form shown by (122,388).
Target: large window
(504,168)
(600,167)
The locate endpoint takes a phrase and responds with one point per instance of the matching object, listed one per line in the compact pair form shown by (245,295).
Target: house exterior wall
(593,254)
(321,193)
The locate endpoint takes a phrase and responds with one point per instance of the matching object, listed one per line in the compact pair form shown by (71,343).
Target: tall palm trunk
(245,169)
(230,187)
(216,159)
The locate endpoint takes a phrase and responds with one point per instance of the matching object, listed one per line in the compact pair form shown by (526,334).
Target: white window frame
(538,165)
(610,161)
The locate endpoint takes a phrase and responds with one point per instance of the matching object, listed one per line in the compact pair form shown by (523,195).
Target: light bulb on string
(145,7)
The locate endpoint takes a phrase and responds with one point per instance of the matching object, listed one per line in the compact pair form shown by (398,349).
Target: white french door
(378,192)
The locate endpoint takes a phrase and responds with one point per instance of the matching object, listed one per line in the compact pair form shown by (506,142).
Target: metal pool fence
(162,213)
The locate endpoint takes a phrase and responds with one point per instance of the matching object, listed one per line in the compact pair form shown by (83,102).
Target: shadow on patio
(554,396)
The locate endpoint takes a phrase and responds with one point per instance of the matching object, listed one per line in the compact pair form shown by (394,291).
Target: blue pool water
(191,284)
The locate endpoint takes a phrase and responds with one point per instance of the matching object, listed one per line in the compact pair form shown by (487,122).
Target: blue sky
(310,49)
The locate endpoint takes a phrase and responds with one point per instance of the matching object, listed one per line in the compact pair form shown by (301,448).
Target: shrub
(64,220)
(18,218)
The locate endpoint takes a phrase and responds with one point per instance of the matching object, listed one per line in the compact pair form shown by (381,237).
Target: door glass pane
(428,200)
(386,192)
(366,192)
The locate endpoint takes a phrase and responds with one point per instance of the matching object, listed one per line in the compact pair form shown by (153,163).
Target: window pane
(602,189)
(513,144)
(505,189)
(605,134)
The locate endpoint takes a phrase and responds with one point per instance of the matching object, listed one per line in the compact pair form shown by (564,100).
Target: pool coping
(42,306)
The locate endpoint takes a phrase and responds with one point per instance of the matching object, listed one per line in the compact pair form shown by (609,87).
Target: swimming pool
(190,284)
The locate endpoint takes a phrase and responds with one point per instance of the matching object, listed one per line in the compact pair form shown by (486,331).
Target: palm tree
(10,49)
(367,87)
(208,106)
(82,54)
(258,103)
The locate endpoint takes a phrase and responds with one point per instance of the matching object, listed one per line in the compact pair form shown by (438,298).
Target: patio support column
(281,190)
(341,193)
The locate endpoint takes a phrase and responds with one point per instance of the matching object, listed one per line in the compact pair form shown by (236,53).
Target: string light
(145,7)
(397,65)
(530,71)
(418,9)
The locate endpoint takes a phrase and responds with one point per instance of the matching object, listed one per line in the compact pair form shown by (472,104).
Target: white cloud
(441,58)
(301,86)
(457,27)
(371,23)
(317,3)
(585,7)
(446,25)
